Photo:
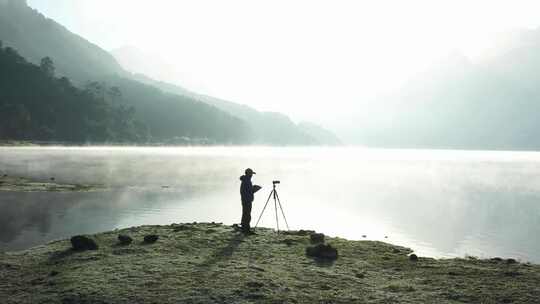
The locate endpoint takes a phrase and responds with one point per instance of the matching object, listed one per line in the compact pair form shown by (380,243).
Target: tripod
(277,203)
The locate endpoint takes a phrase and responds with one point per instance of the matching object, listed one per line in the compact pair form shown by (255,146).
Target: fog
(438,203)
(329,62)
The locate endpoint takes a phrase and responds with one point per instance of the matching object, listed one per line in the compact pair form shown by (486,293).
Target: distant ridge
(491,104)
(36,36)
(267,127)
(171,116)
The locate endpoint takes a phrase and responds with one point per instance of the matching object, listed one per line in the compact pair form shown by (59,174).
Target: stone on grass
(322,251)
(151,238)
(124,239)
(413,257)
(316,238)
(511,261)
(82,243)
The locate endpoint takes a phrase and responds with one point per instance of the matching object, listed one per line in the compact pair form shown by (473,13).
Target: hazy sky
(311,59)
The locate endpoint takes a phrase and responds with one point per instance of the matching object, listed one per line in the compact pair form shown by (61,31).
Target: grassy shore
(213,263)
(22,184)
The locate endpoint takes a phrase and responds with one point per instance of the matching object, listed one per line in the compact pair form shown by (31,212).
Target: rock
(360,275)
(511,261)
(82,243)
(316,238)
(322,251)
(288,242)
(254,284)
(413,257)
(299,232)
(496,259)
(151,238)
(124,239)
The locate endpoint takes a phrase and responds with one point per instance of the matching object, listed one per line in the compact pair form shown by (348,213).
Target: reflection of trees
(21,211)
(30,219)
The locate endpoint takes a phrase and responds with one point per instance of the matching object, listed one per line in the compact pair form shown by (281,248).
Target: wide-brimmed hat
(250,172)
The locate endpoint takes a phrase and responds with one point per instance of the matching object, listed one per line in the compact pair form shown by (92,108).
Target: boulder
(413,257)
(151,238)
(316,238)
(322,251)
(82,243)
(124,239)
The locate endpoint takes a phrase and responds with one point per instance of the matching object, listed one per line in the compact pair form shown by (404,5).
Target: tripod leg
(275,207)
(264,208)
(282,212)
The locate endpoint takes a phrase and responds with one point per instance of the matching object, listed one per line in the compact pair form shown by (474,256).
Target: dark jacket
(246,189)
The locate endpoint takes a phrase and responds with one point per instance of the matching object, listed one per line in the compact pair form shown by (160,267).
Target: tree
(114,93)
(47,66)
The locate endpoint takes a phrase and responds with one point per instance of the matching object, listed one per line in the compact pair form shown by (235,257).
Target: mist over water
(439,203)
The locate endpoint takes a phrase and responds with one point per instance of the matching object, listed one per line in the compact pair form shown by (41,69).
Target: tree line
(36,104)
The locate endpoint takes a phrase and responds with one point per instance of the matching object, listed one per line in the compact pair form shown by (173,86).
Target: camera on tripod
(277,203)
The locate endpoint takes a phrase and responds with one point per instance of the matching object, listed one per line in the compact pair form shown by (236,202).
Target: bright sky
(315,60)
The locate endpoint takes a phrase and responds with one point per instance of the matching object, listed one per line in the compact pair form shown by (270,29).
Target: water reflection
(440,203)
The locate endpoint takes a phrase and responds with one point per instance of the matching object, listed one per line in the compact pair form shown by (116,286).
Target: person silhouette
(247,194)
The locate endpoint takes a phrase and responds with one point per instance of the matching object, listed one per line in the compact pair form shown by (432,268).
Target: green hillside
(171,117)
(35,105)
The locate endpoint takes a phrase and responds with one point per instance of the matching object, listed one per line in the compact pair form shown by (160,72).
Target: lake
(439,203)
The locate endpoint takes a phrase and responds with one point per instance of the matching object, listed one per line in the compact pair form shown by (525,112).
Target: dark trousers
(246,215)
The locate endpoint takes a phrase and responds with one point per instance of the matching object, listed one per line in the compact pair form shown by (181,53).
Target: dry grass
(21,184)
(212,263)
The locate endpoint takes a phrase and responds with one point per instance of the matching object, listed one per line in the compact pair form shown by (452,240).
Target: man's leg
(246,216)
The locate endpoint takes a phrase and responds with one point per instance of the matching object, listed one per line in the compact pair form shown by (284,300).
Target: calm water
(440,203)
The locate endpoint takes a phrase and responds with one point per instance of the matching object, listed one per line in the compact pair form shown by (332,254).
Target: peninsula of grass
(22,184)
(214,263)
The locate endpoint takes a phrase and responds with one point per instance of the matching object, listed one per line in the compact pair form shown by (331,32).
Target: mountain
(144,65)
(55,110)
(459,104)
(266,127)
(171,113)
(168,117)
(35,37)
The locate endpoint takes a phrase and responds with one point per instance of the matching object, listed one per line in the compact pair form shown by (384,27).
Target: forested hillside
(265,127)
(35,37)
(171,117)
(36,105)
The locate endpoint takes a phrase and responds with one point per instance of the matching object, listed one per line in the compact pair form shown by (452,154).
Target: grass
(212,263)
(21,184)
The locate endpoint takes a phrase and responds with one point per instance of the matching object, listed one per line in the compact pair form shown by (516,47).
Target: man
(247,191)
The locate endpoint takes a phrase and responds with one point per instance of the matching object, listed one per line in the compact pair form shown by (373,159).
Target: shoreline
(213,263)
(22,184)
